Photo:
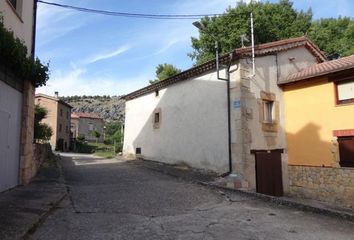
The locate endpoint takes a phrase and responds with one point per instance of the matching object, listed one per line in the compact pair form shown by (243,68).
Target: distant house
(84,124)
(236,128)
(17,101)
(319,108)
(58,118)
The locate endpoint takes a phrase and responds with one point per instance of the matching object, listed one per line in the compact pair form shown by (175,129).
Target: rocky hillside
(110,108)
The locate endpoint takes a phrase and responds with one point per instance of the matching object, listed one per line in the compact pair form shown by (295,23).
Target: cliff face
(109,108)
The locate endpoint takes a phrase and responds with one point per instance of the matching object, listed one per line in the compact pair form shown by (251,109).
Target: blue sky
(92,54)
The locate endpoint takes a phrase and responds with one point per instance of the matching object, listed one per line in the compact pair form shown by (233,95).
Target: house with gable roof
(234,127)
(83,124)
(58,119)
(319,109)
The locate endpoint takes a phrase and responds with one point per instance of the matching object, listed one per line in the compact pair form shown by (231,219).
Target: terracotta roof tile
(321,69)
(85,115)
(260,50)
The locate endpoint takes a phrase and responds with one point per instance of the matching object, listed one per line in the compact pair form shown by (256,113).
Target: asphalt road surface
(112,199)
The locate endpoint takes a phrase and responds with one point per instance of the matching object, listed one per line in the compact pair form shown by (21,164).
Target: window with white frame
(268,111)
(345,92)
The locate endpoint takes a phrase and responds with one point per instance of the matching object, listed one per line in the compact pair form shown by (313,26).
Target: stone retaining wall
(41,153)
(332,185)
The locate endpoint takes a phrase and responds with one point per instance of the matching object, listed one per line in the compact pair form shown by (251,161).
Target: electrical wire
(131,15)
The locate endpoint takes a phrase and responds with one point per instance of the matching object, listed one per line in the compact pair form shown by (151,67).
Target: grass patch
(98,149)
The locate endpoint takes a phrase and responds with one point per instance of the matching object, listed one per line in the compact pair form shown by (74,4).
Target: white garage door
(10,130)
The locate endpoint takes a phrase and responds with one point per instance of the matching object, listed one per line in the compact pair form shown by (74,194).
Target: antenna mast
(252,41)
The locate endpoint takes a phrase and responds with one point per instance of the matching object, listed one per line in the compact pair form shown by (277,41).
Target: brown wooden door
(346,151)
(269,173)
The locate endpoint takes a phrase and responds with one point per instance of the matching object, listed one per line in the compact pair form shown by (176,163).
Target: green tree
(111,128)
(272,22)
(96,134)
(42,132)
(164,71)
(334,36)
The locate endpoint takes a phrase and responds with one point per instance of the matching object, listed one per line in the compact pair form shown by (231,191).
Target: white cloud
(76,82)
(167,46)
(54,22)
(107,55)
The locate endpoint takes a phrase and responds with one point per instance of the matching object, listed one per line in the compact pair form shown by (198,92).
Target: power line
(131,15)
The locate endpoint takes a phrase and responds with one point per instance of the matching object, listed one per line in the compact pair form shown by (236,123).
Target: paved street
(110,199)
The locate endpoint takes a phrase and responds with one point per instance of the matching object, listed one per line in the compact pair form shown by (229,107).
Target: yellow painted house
(319,125)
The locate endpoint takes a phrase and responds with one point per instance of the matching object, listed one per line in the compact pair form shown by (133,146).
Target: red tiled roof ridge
(85,115)
(321,69)
(260,49)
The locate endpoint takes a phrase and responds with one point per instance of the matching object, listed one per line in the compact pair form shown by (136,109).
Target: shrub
(42,132)
(14,58)
(81,138)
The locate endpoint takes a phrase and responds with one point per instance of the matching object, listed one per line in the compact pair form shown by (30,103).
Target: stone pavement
(114,199)
(211,180)
(24,207)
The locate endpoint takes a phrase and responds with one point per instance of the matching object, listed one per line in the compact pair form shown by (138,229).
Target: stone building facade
(83,125)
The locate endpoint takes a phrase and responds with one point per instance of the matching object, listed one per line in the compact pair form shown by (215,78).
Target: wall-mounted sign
(237,104)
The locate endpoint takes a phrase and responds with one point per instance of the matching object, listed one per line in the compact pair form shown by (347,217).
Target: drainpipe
(34,26)
(229,113)
(201,27)
(227,79)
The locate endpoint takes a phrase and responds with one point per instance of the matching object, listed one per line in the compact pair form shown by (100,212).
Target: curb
(287,202)
(43,217)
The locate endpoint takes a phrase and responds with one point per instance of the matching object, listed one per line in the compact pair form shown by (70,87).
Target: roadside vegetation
(42,132)
(111,146)
(14,58)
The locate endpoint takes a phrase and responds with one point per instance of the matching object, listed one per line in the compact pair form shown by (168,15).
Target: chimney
(56,94)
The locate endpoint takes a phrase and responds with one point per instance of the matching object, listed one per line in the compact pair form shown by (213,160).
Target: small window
(345,92)
(67,115)
(61,112)
(268,111)
(156,93)
(60,127)
(157,118)
(138,150)
(346,151)
(66,129)
(90,125)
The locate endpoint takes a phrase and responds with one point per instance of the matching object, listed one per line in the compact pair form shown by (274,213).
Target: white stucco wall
(194,117)
(193,125)
(20,23)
